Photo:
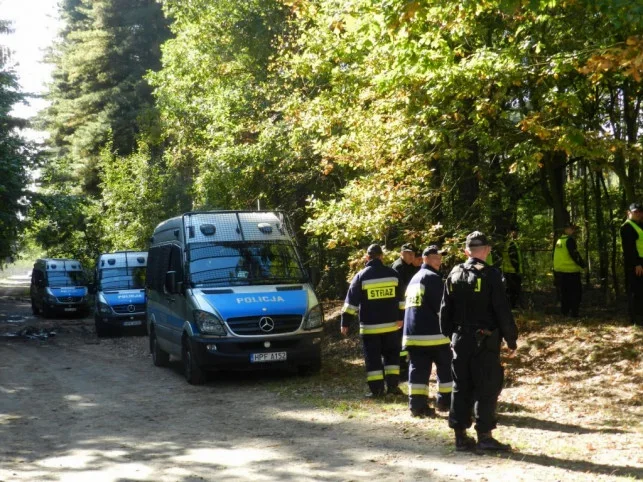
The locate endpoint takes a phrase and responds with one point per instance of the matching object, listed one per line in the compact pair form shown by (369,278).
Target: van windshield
(245,263)
(66,278)
(122,278)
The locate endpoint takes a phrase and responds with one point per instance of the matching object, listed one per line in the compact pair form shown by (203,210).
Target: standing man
(512,268)
(476,315)
(632,241)
(422,337)
(375,293)
(568,265)
(406,268)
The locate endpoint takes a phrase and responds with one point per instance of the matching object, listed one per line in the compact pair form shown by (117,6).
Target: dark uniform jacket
(376,294)
(421,321)
(483,307)
(405,272)
(630,253)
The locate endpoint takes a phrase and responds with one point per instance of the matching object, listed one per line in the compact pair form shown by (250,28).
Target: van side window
(157,265)
(176,262)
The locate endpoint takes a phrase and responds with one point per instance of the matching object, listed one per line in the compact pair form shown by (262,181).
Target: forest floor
(75,407)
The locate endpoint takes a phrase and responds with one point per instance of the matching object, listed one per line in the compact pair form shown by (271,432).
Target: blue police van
(120,299)
(59,287)
(228,290)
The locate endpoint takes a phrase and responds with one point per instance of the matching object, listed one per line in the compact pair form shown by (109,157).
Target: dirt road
(74,408)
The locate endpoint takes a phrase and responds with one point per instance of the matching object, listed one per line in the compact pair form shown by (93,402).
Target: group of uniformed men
(458,326)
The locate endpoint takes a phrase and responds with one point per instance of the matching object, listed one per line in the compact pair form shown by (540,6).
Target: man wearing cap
(422,338)
(632,241)
(476,315)
(568,265)
(376,294)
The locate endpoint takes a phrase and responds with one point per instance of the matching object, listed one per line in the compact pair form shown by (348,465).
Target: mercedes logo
(131,308)
(266,324)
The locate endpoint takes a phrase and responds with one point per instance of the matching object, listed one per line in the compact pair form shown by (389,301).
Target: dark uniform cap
(374,250)
(409,247)
(477,239)
(636,207)
(433,249)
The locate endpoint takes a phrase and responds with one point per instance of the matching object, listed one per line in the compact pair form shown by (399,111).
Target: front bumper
(235,353)
(68,308)
(129,319)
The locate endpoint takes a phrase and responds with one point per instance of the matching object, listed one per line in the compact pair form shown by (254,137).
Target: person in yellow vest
(568,265)
(632,241)
(512,268)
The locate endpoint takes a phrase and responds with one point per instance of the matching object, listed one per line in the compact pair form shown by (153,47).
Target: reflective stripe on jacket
(563,262)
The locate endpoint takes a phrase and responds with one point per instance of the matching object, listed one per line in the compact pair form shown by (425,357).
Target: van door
(176,302)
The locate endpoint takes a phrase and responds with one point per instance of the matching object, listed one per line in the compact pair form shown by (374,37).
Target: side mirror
(91,288)
(313,275)
(40,283)
(170,282)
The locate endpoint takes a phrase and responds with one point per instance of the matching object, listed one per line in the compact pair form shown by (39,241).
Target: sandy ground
(76,408)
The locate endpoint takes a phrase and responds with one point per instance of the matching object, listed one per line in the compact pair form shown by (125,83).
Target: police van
(120,291)
(228,290)
(59,287)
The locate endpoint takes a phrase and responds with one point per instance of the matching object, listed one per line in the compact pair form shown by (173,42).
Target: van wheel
(159,357)
(310,369)
(193,373)
(102,330)
(46,312)
(34,308)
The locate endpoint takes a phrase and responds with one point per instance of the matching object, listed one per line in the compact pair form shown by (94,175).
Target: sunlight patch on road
(228,457)
(81,402)
(7,418)
(310,416)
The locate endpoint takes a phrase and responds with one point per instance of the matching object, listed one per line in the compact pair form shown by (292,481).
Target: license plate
(132,323)
(268,357)
(70,309)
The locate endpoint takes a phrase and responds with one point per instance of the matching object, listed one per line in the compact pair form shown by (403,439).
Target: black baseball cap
(409,247)
(476,239)
(374,250)
(433,249)
(636,207)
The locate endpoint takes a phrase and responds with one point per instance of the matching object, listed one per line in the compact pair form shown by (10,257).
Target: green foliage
(17,156)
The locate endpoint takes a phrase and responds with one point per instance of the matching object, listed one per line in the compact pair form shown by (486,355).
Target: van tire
(193,372)
(159,357)
(310,369)
(34,308)
(102,330)
(46,312)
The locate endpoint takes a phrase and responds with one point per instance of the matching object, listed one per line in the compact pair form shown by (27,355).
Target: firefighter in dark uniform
(476,315)
(406,267)
(376,294)
(632,241)
(568,266)
(422,337)
(512,269)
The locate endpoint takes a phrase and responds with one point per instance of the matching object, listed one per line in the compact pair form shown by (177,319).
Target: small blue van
(120,291)
(59,287)
(228,290)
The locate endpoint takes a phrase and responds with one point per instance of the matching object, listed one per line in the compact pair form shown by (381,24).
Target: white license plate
(268,357)
(132,323)
(70,309)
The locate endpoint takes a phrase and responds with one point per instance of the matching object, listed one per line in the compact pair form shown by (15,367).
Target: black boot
(487,442)
(424,412)
(462,441)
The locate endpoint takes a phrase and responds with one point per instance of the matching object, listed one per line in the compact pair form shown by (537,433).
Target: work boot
(462,441)
(374,395)
(424,412)
(443,406)
(487,442)
(395,391)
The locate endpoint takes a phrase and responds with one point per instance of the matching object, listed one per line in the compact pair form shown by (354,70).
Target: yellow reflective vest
(639,241)
(563,262)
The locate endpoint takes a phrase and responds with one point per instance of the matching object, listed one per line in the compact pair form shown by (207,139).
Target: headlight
(314,318)
(104,309)
(209,323)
